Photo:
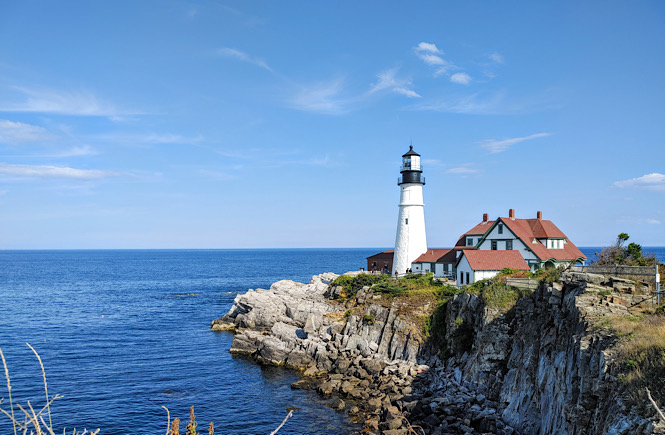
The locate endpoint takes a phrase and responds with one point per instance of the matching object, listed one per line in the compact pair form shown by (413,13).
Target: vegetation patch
(497,294)
(641,356)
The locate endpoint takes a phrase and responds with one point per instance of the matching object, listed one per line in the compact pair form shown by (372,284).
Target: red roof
(445,255)
(495,260)
(478,230)
(530,230)
(385,255)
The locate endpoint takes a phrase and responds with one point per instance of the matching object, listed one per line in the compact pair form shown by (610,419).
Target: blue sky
(172,124)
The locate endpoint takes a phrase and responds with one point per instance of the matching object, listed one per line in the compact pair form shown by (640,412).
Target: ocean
(124,332)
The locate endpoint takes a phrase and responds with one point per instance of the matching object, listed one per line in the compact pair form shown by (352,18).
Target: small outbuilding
(381,262)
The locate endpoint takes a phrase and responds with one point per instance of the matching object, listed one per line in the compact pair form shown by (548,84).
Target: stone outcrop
(539,368)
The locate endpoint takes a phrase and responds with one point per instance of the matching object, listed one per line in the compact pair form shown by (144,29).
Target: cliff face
(543,363)
(539,368)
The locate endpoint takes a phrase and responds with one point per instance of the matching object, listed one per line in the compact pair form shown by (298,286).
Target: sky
(265,124)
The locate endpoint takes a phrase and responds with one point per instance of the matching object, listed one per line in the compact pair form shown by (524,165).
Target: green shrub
(369,319)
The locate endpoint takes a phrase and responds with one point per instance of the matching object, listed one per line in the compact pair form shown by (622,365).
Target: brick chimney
(511,213)
(539,215)
(485,217)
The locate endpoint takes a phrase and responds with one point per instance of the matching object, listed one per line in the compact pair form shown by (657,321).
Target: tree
(630,255)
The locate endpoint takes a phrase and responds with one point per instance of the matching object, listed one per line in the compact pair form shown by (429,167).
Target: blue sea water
(658,251)
(122,333)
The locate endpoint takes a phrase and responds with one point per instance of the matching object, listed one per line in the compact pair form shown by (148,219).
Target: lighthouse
(410,241)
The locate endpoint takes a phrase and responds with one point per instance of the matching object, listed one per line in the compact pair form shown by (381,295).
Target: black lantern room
(411,169)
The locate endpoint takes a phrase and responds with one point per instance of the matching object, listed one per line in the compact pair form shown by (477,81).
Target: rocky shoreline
(538,368)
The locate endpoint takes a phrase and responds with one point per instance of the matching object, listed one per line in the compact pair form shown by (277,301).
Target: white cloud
(496,57)
(241,55)
(17,132)
(653,221)
(62,103)
(428,53)
(40,171)
(461,78)
(427,47)
(653,182)
(432,59)
(496,146)
(388,80)
(408,92)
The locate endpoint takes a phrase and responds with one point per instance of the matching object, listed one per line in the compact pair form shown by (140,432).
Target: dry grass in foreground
(32,421)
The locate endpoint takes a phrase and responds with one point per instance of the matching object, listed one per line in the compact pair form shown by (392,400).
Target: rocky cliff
(540,367)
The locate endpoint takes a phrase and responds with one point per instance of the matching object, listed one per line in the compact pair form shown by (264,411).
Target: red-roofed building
(539,242)
(474,265)
(441,262)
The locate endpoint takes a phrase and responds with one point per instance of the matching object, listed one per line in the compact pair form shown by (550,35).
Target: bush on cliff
(496,294)
(410,285)
(630,255)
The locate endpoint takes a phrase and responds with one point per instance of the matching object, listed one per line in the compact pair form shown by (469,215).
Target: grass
(496,294)
(641,355)
(33,422)
(408,286)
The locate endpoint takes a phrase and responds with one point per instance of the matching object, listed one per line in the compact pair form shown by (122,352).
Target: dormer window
(469,241)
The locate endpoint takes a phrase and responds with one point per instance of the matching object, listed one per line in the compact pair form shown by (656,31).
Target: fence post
(657,285)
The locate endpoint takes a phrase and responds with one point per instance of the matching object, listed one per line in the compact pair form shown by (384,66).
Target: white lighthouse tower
(410,241)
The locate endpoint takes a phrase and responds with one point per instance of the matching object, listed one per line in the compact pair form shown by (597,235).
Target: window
(469,241)
(406,221)
(500,228)
(445,267)
(509,245)
(467,277)
(493,245)
(461,277)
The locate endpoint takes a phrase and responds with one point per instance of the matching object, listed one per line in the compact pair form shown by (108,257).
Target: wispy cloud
(321,98)
(61,103)
(18,132)
(462,170)
(39,171)
(388,80)
(496,146)
(460,78)
(242,56)
(431,55)
(474,104)
(496,57)
(77,151)
(216,175)
(652,182)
